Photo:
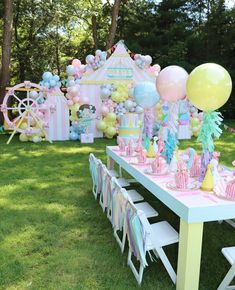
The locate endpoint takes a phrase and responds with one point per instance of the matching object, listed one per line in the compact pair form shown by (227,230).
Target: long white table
(194,208)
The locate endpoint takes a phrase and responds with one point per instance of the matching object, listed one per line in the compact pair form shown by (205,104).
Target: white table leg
(189,256)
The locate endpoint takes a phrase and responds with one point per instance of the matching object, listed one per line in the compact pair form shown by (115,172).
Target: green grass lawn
(53,234)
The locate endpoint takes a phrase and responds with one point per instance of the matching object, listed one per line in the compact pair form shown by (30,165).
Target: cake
(129,128)
(181,176)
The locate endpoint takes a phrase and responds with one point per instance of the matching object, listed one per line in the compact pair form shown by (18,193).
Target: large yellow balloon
(209,86)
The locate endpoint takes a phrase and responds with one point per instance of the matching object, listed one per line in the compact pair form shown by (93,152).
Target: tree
(113,26)
(6,50)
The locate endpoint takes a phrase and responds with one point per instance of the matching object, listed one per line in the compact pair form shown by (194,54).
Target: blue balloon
(70,69)
(53,83)
(46,85)
(56,78)
(73,136)
(146,94)
(47,76)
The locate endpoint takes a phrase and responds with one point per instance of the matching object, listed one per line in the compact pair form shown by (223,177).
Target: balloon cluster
(35,138)
(129,106)
(27,136)
(121,92)
(73,95)
(108,106)
(50,81)
(108,125)
(142,61)
(106,90)
(75,71)
(96,61)
(75,131)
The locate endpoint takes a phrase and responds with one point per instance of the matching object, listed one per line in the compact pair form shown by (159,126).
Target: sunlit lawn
(53,234)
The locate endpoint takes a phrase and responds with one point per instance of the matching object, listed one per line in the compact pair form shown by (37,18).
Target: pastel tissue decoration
(181,176)
(230,189)
(191,153)
(158,165)
(208,182)
(141,157)
(151,153)
(170,146)
(121,145)
(210,130)
(195,169)
(161,145)
(129,149)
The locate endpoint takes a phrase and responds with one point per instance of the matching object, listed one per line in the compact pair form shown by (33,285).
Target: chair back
(95,170)
(118,203)
(136,233)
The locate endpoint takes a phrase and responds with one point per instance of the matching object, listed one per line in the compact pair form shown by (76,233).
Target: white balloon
(37,139)
(90,58)
(105,93)
(128,104)
(34,95)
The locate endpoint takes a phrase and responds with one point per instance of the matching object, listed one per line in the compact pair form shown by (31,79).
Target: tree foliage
(48,34)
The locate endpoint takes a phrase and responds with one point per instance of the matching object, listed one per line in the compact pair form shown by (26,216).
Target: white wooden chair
(229,253)
(157,236)
(120,199)
(95,170)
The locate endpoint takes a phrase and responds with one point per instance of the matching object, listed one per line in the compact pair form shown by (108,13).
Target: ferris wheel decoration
(25,114)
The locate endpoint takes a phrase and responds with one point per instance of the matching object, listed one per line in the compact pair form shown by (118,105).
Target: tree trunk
(6,50)
(113,27)
(94,31)
(57,51)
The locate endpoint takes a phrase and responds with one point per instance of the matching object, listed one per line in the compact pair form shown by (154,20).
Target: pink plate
(192,186)
(150,172)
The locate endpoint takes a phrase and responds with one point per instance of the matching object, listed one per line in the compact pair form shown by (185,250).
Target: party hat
(208,182)
(150,153)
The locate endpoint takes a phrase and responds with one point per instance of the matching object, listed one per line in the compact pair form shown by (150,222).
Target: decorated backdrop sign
(119,73)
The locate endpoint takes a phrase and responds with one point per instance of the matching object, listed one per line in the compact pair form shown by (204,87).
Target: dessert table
(194,207)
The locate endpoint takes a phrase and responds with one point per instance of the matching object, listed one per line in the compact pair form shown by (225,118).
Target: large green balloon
(209,86)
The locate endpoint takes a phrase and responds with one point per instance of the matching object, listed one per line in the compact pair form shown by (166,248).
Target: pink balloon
(76,62)
(156,68)
(171,83)
(70,103)
(104,110)
(76,100)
